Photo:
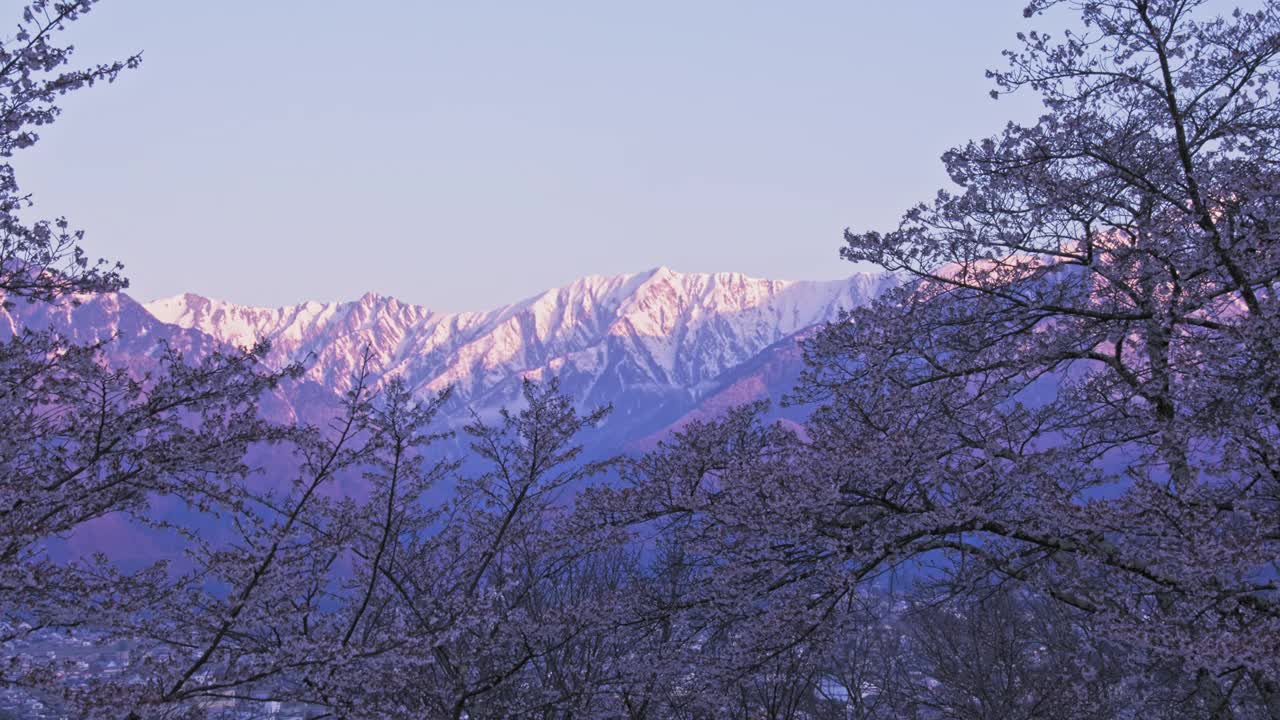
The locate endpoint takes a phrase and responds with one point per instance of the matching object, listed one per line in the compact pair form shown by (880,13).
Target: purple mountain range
(661,346)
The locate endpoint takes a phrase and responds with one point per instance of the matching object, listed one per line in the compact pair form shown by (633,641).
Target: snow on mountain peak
(666,331)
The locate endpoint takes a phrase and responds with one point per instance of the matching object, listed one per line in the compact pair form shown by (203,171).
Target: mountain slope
(769,375)
(652,343)
(133,339)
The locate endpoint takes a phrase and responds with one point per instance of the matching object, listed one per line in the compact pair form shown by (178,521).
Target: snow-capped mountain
(133,339)
(652,343)
(662,347)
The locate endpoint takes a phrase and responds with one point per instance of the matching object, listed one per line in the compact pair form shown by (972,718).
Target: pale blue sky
(466,154)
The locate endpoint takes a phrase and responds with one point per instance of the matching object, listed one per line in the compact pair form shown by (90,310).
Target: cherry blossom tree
(1041,477)
(1084,353)
(81,440)
(478,606)
(43,260)
(1073,390)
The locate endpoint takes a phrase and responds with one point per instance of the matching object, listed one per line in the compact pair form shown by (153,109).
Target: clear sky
(466,154)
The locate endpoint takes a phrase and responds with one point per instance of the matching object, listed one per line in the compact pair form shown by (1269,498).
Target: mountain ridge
(660,346)
(641,340)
